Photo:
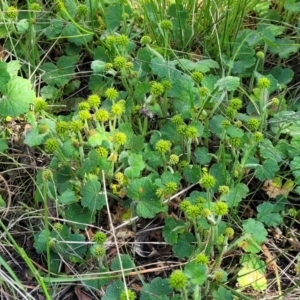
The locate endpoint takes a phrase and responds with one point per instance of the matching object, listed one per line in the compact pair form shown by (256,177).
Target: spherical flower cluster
(166,84)
(58,226)
(35,7)
(229,232)
(258,136)
(193,211)
(238,124)
(76,143)
(111,93)
(221,208)
(84,115)
(253,124)
(260,55)
(84,105)
(225,124)
(202,259)
(163,146)
(129,65)
(119,62)
(146,40)
(99,237)
(94,101)
(182,164)
(231,112)
(117,109)
(76,126)
(191,132)
(108,66)
(47,175)
(102,152)
(171,187)
(275,101)
(102,115)
(197,76)
(40,104)
(97,251)
(177,280)
(51,145)
(235,103)
(61,127)
(166,25)
(263,83)
(200,201)
(293,212)
(174,159)
(120,177)
(81,10)
(207,181)
(12,12)
(177,120)
(110,40)
(181,129)
(224,189)
(120,138)
(160,192)
(129,296)
(235,142)
(43,128)
(205,213)
(122,40)
(184,205)
(203,91)
(157,89)
(219,275)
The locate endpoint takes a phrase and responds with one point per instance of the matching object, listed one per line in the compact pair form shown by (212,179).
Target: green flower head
(197,76)
(102,115)
(229,232)
(258,136)
(221,208)
(58,226)
(253,124)
(235,142)
(207,181)
(260,55)
(163,146)
(81,10)
(84,115)
(35,7)
(97,251)
(47,175)
(236,103)
(171,187)
(122,40)
(166,25)
(202,259)
(51,145)
(166,84)
(225,124)
(191,132)
(117,109)
(224,189)
(263,83)
(177,280)
(108,66)
(110,40)
(275,101)
(102,152)
(12,12)
(146,40)
(94,101)
(129,296)
(193,211)
(184,205)
(174,159)
(111,93)
(157,89)
(76,125)
(40,104)
(62,127)
(119,62)
(203,91)
(99,237)
(120,138)
(177,120)
(231,112)
(84,105)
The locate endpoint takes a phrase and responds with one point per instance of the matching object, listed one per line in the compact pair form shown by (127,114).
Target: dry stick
(9,196)
(114,234)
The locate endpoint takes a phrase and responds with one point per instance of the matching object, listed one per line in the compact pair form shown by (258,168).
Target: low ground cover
(149,150)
